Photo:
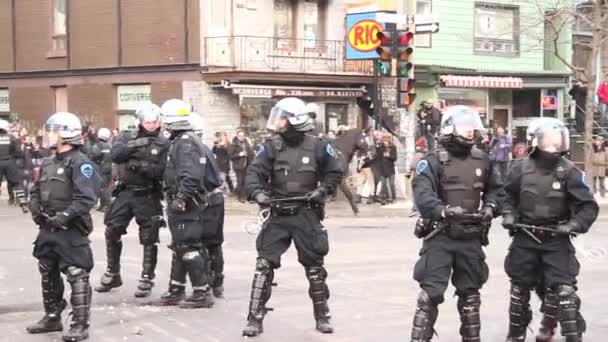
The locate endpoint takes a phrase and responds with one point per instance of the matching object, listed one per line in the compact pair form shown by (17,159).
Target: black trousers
(144,208)
(240,184)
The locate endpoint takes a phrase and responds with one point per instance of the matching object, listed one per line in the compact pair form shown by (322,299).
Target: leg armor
(319,293)
(111,278)
(572,323)
(261,289)
(424,318)
(147,274)
(196,266)
(470,322)
(81,304)
(549,309)
(216,269)
(52,296)
(177,283)
(520,314)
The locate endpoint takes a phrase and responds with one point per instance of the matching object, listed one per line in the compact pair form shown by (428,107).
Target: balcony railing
(272,54)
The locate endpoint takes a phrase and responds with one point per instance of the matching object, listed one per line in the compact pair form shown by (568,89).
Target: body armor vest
(201,165)
(56,185)
(5,146)
(462,180)
(294,169)
(542,194)
(151,153)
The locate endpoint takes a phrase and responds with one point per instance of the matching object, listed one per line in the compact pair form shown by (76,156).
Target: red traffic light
(385,38)
(404,38)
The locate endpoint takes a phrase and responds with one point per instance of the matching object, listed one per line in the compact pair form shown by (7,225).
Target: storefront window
(336,114)
(477,99)
(526,103)
(254,114)
(550,103)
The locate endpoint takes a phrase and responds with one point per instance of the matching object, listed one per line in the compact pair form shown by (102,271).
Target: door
(501,117)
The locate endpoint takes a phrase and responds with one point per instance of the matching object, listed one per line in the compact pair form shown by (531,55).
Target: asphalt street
(370,277)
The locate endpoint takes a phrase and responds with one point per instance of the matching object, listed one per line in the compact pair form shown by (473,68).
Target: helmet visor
(277,120)
(553,139)
(51,136)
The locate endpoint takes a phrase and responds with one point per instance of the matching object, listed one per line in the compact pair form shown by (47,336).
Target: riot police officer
(61,202)
(299,170)
(102,157)
(451,184)
(9,153)
(140,156)
(187,186)
(546,202)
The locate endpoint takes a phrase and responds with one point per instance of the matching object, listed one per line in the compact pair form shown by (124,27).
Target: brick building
(230,59)
(96,58)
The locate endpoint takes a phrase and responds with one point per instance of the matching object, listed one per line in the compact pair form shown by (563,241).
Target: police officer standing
(9,153)
(62,199)
(213,213)
(301,170)
(546,202)
(450,186)
(186,182)
(140,156)
(103,158)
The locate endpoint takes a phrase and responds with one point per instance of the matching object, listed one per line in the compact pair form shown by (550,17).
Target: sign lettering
(130,97)
(4,101)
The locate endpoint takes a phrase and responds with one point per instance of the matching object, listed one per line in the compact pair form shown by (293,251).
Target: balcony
(254,54)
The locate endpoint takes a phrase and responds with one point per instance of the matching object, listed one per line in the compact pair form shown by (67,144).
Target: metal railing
(273,54)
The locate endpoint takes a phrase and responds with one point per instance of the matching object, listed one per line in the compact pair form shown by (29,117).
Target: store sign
(4,101)
(130,97)
(361,41)
(278,92)
(550,102)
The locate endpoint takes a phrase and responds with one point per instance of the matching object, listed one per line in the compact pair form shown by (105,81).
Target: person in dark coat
(387,155)
(222,155)
(241,155)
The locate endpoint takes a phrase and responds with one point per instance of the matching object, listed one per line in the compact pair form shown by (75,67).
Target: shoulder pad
(477,153)
(277,142)
(563,169)
(440,154)
(133,134)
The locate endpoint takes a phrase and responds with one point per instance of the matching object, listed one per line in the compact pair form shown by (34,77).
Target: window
(526,103)
(4,101)
(218,14)
(312,23)
(336,114)
(424,9)
(496,29)
(298,21)
(59,36)
(61,99)
(283,19)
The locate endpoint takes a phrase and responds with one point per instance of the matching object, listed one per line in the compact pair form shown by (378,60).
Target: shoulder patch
(422,166)
(260,150)
(87,170)
(185,136)
(331,150)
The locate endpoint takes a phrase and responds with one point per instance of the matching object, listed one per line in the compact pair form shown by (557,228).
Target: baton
(289,199)
(529,233)
(545,229)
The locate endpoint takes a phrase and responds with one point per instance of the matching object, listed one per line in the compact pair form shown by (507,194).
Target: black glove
(262,199)
(59,221)
(487,213)
(178,204)
(450,213)
(316,196)
(569,227)
(39,219)
(508,221)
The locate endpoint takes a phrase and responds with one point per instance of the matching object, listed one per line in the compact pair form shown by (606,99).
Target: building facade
(96,58)
(494,56)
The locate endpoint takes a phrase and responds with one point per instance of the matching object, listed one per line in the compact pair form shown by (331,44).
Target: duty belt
(291,209)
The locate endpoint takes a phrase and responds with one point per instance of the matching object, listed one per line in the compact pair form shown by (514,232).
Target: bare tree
(559,18)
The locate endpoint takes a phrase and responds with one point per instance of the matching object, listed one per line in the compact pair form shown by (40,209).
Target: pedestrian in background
(600,161)
(222,155)
(501,145)
(387,152)
(241,155)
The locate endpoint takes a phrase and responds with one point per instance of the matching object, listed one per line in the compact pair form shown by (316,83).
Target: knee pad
(76,273)
(263,266)
(113,235)
(45,267)
(550,304)
(148,235)
(569,316)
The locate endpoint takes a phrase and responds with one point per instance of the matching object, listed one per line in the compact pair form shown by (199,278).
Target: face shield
(553,139)
(277,120)
(51,137)
(462,122)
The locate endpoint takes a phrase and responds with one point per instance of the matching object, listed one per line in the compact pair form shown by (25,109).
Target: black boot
(81,305)
(216,267)
(111,278)
(470,322)
(54,304)
(144,288)
(261,289)
(177,284)
(319,293)
(572,323)
(548,323)
(196,266)
(424,318)
(520,314)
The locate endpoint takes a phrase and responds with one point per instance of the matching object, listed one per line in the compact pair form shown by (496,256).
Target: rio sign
(361,30)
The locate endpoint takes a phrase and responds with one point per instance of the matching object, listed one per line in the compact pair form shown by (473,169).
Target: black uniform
(444,179)
(9,154)
(187,184)
(67,188)
(140,157)
(546,195)
(102,157)
(292,171)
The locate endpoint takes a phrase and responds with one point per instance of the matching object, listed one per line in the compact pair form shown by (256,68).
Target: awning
(256,90)
(481,82)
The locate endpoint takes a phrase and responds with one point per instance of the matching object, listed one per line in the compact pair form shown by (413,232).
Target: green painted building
(495,56)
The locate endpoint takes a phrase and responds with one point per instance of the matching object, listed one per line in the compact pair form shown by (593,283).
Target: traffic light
(403,52)
(385,52)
